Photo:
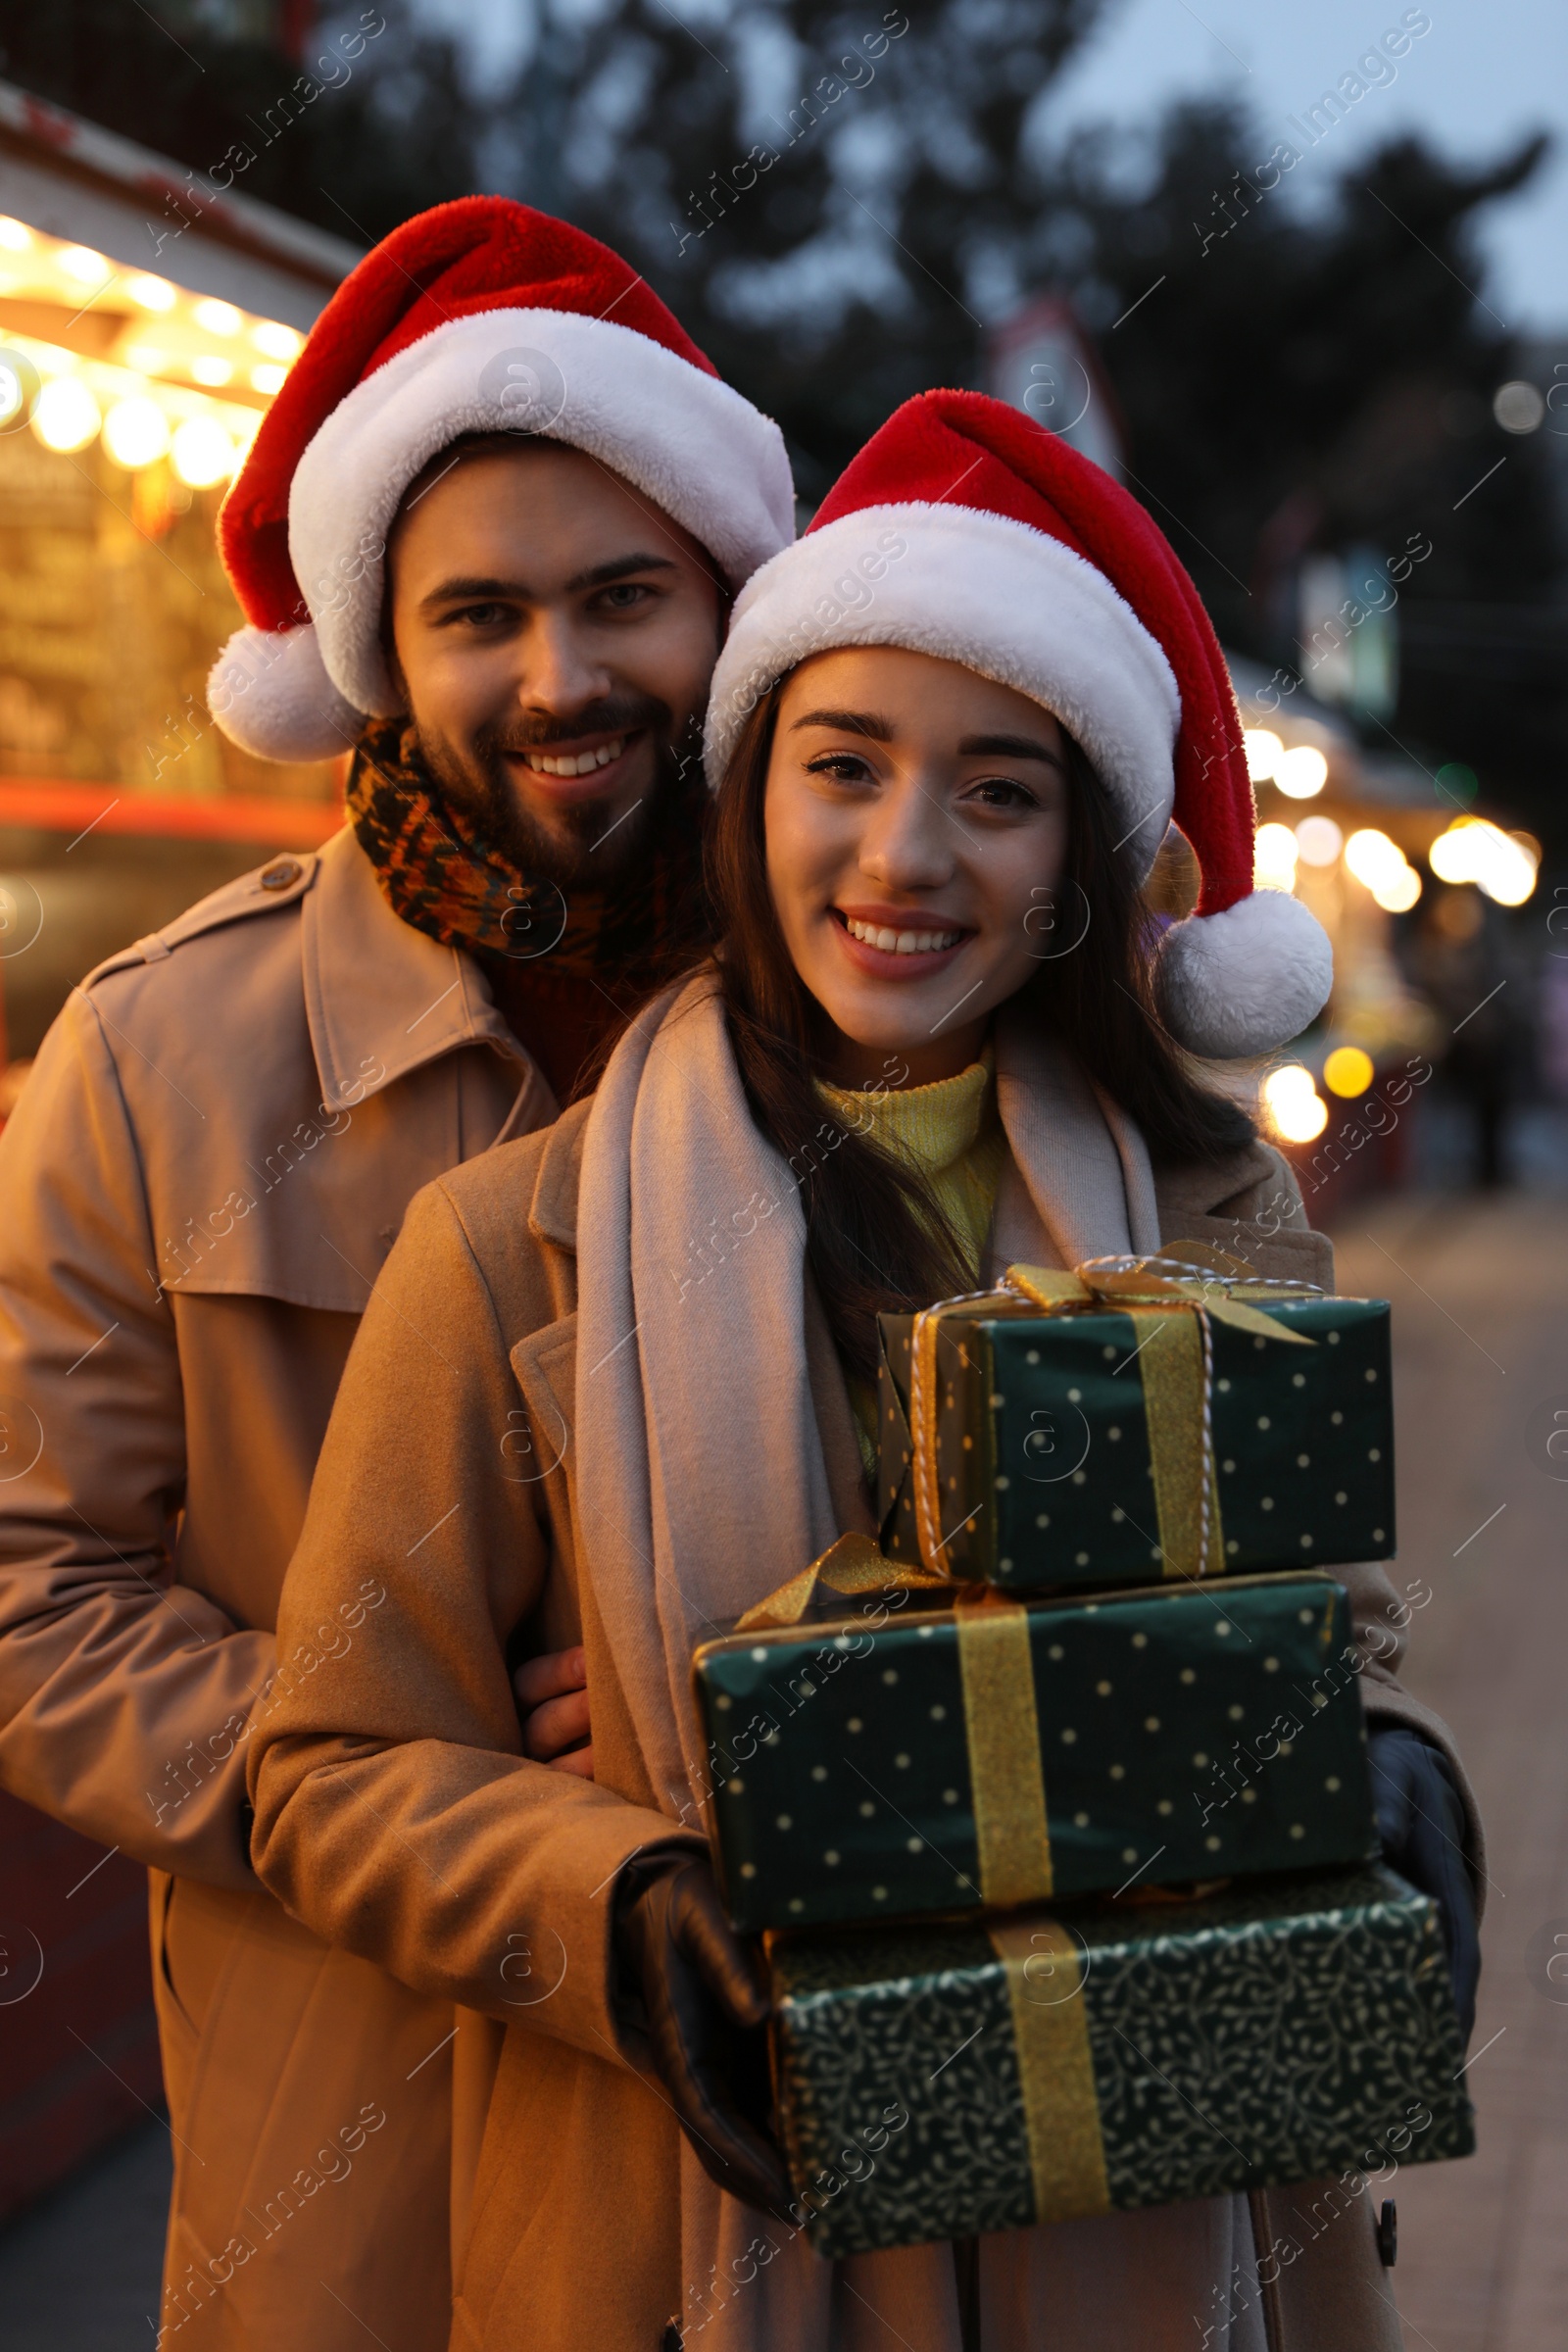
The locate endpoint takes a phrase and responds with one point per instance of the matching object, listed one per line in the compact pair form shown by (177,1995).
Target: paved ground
(1480,1297)
(1481,1338)
(79,2273)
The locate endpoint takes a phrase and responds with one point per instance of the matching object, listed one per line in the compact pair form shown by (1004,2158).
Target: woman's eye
(1001,792)
(843,767)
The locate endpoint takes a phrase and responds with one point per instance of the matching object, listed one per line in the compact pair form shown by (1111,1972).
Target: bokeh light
(136,433)
(1497,863)
(1295,1109)
(202,452)
(151,293)
(1347,1071)
(1301,772)
(1319,840)
(64,415)
(1274,857)
(1262,749)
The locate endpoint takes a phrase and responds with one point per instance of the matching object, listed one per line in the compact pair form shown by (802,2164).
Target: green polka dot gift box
(942,2080)
(905,1759)
(1096,1447)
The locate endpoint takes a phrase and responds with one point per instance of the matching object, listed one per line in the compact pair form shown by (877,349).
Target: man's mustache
(613,714)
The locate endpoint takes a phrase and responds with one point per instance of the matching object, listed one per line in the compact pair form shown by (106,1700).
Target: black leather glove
(691,1988)
(1421,1823)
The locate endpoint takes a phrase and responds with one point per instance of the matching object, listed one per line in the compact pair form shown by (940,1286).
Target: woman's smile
(897,943)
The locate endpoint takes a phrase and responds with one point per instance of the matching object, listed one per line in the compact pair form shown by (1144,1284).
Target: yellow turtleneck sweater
(949,1133)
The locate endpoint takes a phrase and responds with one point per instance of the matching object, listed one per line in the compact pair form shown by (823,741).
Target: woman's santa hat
(481,315)
(965,529)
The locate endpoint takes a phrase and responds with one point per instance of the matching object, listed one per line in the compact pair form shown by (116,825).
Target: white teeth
(583,764)
(901,943)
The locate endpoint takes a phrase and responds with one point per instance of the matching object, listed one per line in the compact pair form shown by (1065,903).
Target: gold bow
(1175,1292)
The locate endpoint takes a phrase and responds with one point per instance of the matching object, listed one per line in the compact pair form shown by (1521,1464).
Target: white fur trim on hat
(686,440)
(270,694)
(978,588)
(1246,980)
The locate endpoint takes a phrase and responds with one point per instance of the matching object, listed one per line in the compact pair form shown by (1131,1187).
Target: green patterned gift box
(915,1759)
(1100,1446)
(941,2080)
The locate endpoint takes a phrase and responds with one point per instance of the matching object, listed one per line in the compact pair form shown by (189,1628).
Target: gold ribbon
(1000,1716)
(1002,1730)
(1055,2067)
(850,1566)
(1173,1295)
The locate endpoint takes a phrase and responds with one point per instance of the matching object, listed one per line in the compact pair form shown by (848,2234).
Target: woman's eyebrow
(849,723)
(1008,747)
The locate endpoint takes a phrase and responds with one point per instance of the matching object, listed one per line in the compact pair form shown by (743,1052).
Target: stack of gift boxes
(1053,1809)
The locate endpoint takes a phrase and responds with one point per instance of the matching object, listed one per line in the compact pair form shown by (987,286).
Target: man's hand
(552,1700)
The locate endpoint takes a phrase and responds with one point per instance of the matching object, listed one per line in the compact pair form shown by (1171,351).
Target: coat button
(282,875)
(1388,2234)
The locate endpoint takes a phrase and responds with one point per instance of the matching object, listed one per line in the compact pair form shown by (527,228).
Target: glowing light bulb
(1318,840)
(218,318)
(202,452)
(268,379)
(1262,748)
(1348,1071)
(79,262)
(136,433)
(151,293)
(212,371)
(1301,772)
(14,236)
(1274,857)
(64,415)
(276,342)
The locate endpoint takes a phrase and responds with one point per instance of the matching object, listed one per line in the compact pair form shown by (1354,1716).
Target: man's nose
(560,671)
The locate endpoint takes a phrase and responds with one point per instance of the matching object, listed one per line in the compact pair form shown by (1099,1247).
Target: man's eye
(626,595)
(481,616)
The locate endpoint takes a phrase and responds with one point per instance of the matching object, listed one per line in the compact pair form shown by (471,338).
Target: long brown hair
(877,1242)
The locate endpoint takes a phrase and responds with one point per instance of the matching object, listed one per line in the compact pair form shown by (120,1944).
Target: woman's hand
(552,1700)
(697,1996)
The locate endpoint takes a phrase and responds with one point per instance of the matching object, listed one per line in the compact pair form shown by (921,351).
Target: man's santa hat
(481,315)
(965,529)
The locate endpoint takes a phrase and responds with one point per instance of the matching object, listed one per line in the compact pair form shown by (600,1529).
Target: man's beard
(586,847)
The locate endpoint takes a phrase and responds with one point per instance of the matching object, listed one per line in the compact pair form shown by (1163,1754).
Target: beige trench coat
(206,1170)
(397,1815)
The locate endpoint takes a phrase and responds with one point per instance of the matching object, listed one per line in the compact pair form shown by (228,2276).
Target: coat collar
(1187,1198)
(382,998)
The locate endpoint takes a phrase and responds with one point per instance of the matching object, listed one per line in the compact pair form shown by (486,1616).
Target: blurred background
(1296,278)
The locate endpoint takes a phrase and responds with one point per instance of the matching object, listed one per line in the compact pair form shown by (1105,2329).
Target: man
(487,533)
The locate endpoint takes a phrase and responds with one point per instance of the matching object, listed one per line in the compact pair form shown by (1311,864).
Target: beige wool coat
(396,1815)
(198,1191)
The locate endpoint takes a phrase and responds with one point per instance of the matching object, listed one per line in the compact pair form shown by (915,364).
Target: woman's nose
(910,837)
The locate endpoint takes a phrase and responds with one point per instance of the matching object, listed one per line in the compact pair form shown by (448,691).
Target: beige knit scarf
(701,1485)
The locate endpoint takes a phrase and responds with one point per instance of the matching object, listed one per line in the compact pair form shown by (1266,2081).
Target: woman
(612,1387)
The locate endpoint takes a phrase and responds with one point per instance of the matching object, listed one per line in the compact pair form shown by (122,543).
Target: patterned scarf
(444,878)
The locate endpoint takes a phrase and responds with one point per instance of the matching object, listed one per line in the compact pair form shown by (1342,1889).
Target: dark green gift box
(1043,1448)
(1179,1733)
(941,2080)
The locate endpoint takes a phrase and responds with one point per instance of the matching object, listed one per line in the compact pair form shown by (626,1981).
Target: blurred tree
(1300,376)
(833,196)
(389,129)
